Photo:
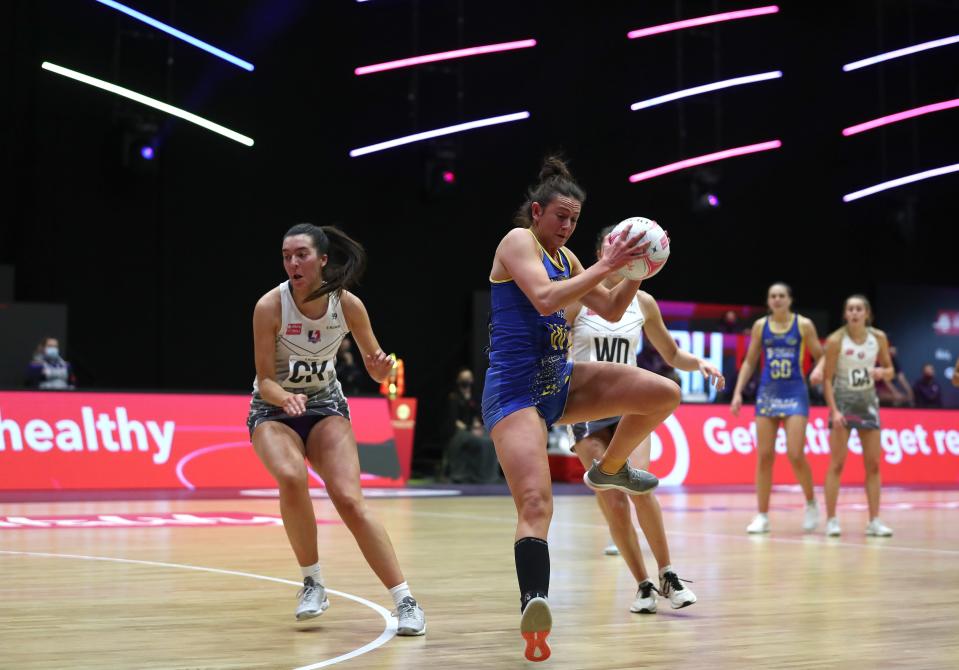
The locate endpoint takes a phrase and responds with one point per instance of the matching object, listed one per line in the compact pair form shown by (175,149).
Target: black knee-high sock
(532,568)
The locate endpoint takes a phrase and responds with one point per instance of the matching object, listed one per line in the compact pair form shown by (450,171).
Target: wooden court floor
(202,597)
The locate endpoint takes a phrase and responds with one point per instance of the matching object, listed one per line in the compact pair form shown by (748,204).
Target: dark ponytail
(554,179)
(347,257)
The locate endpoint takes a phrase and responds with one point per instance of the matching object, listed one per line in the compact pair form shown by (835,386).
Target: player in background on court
(531,384)
(849,374)
(781,337)
(298,409)
(597,339)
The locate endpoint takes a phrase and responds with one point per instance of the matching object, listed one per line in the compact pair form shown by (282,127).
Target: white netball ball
(656,255)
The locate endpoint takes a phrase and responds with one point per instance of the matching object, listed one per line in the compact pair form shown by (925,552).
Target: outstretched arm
(660,338)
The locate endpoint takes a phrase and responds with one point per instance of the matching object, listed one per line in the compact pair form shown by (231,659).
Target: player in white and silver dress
(849,385)
(596,339)
(298,410)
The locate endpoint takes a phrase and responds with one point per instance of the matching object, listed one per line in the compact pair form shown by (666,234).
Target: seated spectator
(926,389)
(730,324)
(470,456)
(348,372)
(48,371)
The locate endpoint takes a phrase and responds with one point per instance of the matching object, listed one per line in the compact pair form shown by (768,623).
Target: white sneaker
(611,549)
(645,602)
(877,528)
(811,517)
(672,587)
(832,527)
(411,620)
(313,600)
(759,524)
(535,626)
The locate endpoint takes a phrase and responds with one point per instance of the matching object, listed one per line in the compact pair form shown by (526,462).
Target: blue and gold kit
(782,388)
(528,353)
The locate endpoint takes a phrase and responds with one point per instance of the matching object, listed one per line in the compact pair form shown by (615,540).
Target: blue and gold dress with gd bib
(528,352)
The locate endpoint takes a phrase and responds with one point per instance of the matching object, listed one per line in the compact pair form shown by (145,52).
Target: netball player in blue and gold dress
(530,384)
(781,337)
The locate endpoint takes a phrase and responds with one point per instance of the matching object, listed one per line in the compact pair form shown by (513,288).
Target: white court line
(389,632)
(751,538)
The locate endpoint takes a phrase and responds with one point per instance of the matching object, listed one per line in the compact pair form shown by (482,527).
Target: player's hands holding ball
(653,252)
(620,248)
(295,404)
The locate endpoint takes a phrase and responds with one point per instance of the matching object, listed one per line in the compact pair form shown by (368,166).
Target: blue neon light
(170,30)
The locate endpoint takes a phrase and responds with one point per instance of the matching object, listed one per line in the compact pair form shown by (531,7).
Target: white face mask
(52,352)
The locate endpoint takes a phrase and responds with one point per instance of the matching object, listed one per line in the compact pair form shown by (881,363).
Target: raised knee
(672,395)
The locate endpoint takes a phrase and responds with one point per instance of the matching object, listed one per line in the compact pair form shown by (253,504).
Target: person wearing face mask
(48,371)
(470,454)
(926,390)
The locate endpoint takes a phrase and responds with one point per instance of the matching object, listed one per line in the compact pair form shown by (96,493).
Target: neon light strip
(150,102)
(855,65)
(445,55)
(705,88)
(919,176)
(702,21)
(708,158)
(170,30)
(900,116)
(449,130)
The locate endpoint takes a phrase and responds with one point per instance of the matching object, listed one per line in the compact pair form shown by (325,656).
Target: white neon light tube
(150,102)
(705,88)
(886,185)
(179,34)
(889,55)
(449,130)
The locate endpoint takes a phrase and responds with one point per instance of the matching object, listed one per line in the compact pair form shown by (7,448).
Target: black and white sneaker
(678,594)
(645,602)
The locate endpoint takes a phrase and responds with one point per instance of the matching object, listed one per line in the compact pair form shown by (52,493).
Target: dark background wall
(160,270)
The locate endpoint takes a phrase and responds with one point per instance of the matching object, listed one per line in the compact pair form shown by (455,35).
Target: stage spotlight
(146,152)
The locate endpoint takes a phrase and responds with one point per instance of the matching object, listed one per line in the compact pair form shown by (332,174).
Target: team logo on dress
(294,328)
(792,341)
(861,354)
(313,336)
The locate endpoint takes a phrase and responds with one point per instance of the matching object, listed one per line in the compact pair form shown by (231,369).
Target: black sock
(532,569)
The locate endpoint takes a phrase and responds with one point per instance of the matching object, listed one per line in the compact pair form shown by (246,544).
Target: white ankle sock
(312,571)
(663,570)
(399,592)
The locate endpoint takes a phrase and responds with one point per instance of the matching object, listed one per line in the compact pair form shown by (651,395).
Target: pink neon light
(445,55)
(892,118)
(708,158)
(702,21)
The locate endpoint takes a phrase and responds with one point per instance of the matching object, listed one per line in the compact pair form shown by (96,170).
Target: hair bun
(554,166)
